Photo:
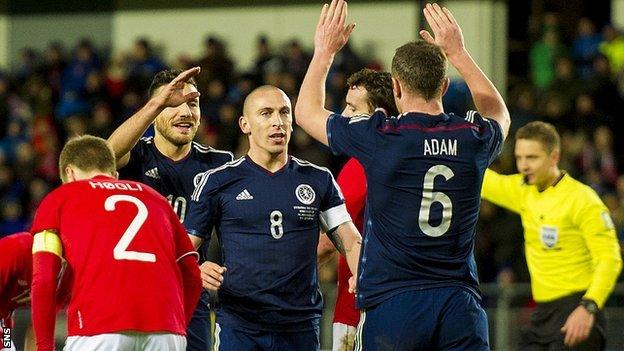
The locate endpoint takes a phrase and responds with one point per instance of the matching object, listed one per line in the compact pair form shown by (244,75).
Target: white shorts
(130,341)
(343,337)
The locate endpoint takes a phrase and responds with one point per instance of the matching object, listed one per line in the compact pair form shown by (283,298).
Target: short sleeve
(203,207)
(333,211)
(132,170)
(489,132)
(354,136)
(46,216)
(183,244)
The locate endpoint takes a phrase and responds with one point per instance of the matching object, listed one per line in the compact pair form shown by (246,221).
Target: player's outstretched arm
(330,36)
(123,139)
(448,36)
(348,242)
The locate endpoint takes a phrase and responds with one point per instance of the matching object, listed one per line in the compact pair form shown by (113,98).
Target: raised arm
(128,133)
(331,35)
(448,36)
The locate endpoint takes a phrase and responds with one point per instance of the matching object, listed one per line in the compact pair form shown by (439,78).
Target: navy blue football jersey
(268,226)
(175,180)
(424,176)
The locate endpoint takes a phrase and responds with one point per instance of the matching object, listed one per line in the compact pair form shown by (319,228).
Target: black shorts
(544,333)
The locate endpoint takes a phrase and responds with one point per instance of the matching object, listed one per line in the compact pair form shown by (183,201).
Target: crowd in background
(575,83)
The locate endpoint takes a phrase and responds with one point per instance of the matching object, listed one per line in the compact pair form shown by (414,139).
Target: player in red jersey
(368,90)
(133,272)
(15,277)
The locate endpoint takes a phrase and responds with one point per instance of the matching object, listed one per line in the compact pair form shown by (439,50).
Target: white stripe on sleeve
(334,217)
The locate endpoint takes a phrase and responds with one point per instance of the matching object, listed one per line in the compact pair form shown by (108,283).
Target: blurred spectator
(542,58)
(296,61)
(265,62)
(585,47)
(52,68)
(142,66)
(565,83)
(215,64)
(13,220)
(522,108)
(613,48)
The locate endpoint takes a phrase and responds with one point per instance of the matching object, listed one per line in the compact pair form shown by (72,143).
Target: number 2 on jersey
(121,252)
(429,197)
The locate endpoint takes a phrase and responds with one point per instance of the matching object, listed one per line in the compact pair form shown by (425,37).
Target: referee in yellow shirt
(571,246)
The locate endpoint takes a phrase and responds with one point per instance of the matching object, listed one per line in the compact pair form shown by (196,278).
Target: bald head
(262,91)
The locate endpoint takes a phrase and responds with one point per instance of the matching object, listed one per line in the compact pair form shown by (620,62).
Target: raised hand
(446,32)
(331,32)
(172,94)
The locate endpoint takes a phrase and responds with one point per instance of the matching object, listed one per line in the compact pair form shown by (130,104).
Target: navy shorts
(198,331)
(228,338)
(448,318)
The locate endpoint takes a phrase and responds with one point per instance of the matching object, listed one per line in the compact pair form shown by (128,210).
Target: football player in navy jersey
(267,208)
(417,279)
(170,162)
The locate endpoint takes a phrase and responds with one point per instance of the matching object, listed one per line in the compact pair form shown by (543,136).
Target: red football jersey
(15,272)
(121,241)
(352,181)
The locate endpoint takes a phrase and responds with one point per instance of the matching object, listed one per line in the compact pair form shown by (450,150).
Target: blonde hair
(88,153)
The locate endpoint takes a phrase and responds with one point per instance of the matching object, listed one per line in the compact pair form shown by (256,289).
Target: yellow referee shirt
(569,236)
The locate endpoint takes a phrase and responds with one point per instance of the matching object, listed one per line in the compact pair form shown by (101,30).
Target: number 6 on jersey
(429,197)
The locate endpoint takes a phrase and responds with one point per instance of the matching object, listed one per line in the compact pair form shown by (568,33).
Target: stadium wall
(484,25)
(4,42)
(617,13)
(380,27)
(37,31)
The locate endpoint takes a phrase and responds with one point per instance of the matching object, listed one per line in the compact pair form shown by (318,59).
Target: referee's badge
(550,236)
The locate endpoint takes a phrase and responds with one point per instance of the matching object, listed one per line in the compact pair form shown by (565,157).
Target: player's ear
(396,88)
(445,85)
(244,125)
(115,175)
(555,155)
(70,176)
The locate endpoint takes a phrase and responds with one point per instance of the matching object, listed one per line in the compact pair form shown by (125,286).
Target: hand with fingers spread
(578,326)
(211,275)
(172,94)
(331,32)
(446,32)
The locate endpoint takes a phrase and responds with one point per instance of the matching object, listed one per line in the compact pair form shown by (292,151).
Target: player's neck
(174,152)
(420,105)
(270,162)
(554,176)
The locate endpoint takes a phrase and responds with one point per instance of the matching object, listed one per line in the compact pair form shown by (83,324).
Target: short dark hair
(542,132)
(421,67)
(89,153)
(165,77)
(378,86)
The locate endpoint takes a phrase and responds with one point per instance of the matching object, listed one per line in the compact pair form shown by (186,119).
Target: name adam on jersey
(440,147)
(112,186)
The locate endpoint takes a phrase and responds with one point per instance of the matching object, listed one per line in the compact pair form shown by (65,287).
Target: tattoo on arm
(337,240)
